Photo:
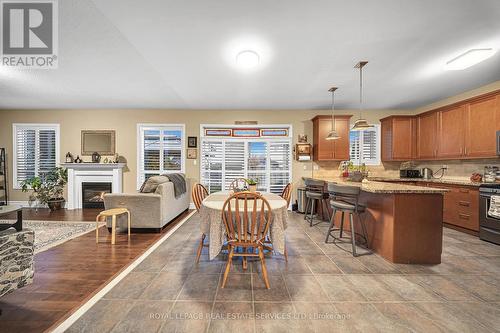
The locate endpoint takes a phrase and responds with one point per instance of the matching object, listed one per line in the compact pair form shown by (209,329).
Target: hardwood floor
(71,273)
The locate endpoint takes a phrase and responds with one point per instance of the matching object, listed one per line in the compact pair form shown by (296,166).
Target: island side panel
(418,228)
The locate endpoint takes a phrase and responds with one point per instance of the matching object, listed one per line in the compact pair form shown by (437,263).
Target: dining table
(211,223)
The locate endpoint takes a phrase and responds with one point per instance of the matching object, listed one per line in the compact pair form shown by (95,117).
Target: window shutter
(212,158)
(25,154)
(234,161)
(46,151)
(160,150)
(367,143)
(36,150)
(280,162)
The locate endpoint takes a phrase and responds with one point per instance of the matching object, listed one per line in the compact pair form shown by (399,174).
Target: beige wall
(124,122)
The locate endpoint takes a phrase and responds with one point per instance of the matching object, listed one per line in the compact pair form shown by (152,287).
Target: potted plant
(252,184)
(48,190)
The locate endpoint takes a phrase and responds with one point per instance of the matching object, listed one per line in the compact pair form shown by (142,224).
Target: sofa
(149,211)
(16,259)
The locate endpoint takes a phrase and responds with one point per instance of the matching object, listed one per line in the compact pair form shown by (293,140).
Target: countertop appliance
(490,173)
(489,226)
(410,173)
(427,173)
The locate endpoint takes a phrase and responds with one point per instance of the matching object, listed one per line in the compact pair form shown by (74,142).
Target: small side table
(18,225)
(113,213)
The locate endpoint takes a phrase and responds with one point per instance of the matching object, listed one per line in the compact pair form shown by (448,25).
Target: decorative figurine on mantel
(78,159)
(96,157)
(117,158)
(69,158)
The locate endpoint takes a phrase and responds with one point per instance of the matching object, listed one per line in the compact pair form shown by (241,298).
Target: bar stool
(346,200)
(315,192)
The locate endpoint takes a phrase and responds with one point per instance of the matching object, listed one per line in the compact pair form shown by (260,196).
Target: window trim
(378,162)
(36,126)
(267,172)
(141,126)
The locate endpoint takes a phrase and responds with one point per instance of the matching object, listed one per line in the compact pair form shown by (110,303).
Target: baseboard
(25,204)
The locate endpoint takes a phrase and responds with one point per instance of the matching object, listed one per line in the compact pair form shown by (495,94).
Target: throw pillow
(152,183)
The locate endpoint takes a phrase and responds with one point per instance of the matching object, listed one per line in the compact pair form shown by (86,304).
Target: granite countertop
(388,188)
(451,181)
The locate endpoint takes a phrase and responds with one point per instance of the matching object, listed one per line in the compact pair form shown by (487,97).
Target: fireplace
(93,194)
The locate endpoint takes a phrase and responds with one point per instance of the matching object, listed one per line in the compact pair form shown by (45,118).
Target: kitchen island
(404,222)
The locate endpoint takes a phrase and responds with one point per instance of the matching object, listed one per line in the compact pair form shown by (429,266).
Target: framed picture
(192,142)
(192,153)
(302,138)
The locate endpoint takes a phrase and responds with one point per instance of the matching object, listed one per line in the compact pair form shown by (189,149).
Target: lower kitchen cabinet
(460,206)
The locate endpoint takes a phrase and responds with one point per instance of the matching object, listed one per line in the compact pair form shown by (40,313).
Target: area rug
(51,233)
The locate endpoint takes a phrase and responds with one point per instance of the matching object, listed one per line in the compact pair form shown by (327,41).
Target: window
(265,158)
(160,150)
(367,142)
(36,150)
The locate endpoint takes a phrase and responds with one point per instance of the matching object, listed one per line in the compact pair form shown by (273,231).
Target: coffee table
(18,225)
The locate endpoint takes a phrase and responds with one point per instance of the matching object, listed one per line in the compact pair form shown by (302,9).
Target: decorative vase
(55,204)
(252,188)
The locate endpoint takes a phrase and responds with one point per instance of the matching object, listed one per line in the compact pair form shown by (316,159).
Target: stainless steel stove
(489,226)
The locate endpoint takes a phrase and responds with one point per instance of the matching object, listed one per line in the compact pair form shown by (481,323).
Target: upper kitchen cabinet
(482,121)
(398,138)
(427,136)
(451,132)
(330,150)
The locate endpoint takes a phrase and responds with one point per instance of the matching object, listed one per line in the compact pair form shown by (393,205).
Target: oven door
(489,226)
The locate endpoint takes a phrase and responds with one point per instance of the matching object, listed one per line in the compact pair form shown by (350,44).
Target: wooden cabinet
(460,206)
(463,130)
(330,150)
(427,135)
(398,138)
(451,132)
(482,120)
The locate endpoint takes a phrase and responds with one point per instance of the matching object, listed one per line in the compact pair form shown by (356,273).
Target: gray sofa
(149,210)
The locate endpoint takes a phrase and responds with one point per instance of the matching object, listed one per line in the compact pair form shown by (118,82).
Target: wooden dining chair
(198,193)
(287,195)
(238,183)
(247,217)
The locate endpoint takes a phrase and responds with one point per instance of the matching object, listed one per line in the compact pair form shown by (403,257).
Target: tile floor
(321,289)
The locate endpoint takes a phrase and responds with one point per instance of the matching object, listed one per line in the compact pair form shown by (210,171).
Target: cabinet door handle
(464,216)
(465,152)
(464,203)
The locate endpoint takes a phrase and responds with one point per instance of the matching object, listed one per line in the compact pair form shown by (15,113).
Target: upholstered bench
(16,259)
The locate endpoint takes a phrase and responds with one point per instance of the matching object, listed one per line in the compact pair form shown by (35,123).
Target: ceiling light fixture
(361,124)
(247,59)
(333,135)
(469,58)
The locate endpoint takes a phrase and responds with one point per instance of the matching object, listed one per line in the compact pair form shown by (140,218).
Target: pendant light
(361,124)
(332,135)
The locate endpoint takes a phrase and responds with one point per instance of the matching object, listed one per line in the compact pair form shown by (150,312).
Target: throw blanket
(494,210)
(179,183)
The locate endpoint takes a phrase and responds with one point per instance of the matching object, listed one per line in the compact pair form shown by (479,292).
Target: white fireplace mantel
(79,173)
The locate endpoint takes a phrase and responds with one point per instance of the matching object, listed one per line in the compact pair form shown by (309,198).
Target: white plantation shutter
(212,159)
(160,150)
(36,150)
(225,159)
(234,161)
(367,143)
(280,161)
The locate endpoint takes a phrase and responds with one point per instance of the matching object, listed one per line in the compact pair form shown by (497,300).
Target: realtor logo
(29,33)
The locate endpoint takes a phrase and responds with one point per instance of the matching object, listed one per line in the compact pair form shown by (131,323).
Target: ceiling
(180,54)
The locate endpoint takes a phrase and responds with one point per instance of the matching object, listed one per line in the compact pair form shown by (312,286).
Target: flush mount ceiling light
(247,59)
(469,58)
